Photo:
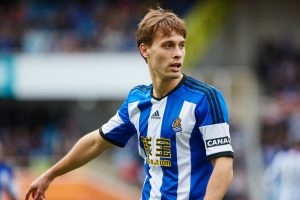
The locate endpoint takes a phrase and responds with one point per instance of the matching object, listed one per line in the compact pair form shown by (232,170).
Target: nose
(178,52)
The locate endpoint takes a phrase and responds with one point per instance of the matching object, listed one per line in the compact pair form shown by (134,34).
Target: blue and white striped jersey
(178,135)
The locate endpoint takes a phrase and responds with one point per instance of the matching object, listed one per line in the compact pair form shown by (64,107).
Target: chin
(174,75)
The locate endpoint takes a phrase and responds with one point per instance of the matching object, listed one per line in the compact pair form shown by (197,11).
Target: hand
(38,188)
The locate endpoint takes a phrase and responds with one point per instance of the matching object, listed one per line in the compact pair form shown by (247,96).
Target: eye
(168,45)
(181,45)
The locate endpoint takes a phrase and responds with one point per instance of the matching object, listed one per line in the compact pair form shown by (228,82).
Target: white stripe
(134,116)
(114,122)
(183,150)
(154,129)
(155,182)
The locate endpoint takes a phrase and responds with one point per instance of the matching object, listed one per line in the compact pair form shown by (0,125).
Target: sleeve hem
(220,154)
(110,140)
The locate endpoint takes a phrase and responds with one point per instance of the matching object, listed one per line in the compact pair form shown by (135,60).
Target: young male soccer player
(181,124)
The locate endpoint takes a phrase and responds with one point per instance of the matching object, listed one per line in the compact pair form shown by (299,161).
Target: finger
(39,195)
(29,191)
(33,194)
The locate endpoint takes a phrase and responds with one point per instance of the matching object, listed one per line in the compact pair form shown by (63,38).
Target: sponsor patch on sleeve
(217,142)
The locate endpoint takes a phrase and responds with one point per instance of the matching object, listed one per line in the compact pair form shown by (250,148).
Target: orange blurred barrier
(77,188)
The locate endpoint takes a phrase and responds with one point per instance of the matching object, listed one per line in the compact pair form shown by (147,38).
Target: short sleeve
(118,130)
(212,121)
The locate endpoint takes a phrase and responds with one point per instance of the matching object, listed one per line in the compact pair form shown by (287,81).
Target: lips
(176,65)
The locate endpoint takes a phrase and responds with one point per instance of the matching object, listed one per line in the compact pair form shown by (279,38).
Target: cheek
(158,59)
(155,59)
(161,58)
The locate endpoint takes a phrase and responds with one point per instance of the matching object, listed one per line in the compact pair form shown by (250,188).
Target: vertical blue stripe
(201,168)
(145,110)
(170,177)
(147,187)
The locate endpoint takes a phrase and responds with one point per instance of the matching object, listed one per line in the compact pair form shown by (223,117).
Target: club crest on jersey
(177,125)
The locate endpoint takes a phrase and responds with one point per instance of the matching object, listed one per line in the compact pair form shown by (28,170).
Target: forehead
(159,37)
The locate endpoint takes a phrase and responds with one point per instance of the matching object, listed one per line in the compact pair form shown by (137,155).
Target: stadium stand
(265,113)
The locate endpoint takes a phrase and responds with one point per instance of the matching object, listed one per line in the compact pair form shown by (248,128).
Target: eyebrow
(166,41)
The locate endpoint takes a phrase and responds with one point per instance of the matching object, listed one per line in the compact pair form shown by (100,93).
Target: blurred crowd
(35,26)
(36,129)
(279,72)
(62,26)
(51,26)
(278,67)
(33,132)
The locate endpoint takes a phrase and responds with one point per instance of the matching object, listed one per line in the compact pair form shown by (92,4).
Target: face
(165,56)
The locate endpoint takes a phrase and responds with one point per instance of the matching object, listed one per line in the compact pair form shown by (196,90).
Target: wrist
(49,175)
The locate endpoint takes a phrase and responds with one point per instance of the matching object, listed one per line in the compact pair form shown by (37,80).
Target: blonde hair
(158,20)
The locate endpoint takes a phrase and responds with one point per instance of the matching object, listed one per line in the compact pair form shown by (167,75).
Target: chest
(163,119)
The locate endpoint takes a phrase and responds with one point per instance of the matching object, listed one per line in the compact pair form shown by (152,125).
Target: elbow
(230,176)
(225,166)
(230,169)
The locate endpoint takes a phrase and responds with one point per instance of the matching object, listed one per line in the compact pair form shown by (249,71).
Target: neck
(162,87)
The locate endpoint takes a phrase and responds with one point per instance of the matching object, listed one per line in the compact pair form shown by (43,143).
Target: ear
(144,50)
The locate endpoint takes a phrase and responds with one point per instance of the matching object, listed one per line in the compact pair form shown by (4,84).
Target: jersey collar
(177,86)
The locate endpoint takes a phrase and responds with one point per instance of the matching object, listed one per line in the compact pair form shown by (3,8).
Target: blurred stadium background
(66,67)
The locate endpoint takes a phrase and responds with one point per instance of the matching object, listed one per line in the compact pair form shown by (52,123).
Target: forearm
(220,179)
(87,148)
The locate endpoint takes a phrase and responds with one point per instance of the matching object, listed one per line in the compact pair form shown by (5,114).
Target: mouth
(176,65)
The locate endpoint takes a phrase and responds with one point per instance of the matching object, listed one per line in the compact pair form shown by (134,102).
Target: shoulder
(200,90)
(141,88)
(199,87)
(208,99)
(139,92)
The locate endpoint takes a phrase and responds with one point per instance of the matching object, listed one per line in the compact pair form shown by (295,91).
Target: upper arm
(223,161)
(103,144)
(119,129)
(92,143)
(212,120)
